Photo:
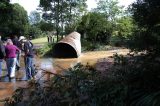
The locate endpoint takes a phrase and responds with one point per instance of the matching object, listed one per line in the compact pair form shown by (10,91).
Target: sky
(31,5)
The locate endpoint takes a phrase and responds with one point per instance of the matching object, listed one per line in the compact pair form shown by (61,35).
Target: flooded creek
(57,65)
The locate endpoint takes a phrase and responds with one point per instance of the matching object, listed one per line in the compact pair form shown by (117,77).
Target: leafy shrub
(89,46)
(132,81)
(46,50)
(118,41)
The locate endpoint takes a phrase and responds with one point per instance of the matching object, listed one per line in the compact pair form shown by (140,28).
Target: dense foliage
(95,28)
(106,24)
(146,15)
(46,26)
(131,81)
(63,14)
(5,9)
(123,31)
(110,8)
(13,19)
(34,32)
(19,20)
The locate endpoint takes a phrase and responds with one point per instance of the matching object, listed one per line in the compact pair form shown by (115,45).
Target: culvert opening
(64,50)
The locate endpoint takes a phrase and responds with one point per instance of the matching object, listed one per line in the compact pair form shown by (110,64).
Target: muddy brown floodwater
(57,65)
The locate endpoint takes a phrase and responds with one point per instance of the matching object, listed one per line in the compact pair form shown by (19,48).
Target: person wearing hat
(21,38)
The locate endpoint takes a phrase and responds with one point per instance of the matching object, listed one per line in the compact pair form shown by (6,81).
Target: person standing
(48,38)
(2,56)
(16,42)
(29,55)
(10,50)
(0,37)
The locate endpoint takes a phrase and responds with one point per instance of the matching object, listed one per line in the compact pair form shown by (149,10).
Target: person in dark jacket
(2,55)
(29,55)
(16,42)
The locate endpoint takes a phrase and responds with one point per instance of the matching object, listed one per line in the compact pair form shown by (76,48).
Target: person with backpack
(2,55)
(29,55)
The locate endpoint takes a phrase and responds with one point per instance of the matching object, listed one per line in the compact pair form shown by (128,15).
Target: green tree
(110,8)
(46,26)
(125,26)
(123,31)
(34,17)
(5,9)
(147,16)
(63,13)
(112,12)
(34,32)
(146,13)
(13,19)
(19,20)
(94,27)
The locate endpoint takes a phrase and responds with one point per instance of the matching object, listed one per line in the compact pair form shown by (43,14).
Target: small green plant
(46,50)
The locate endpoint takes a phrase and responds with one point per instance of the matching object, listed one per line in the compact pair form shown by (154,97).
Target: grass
(40,40)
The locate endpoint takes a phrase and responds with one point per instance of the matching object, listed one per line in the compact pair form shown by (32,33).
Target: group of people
(11,51)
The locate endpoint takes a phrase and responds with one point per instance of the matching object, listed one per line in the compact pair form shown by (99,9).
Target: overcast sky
(31,5)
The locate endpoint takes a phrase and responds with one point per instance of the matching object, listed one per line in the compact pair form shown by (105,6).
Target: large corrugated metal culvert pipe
(68,47)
